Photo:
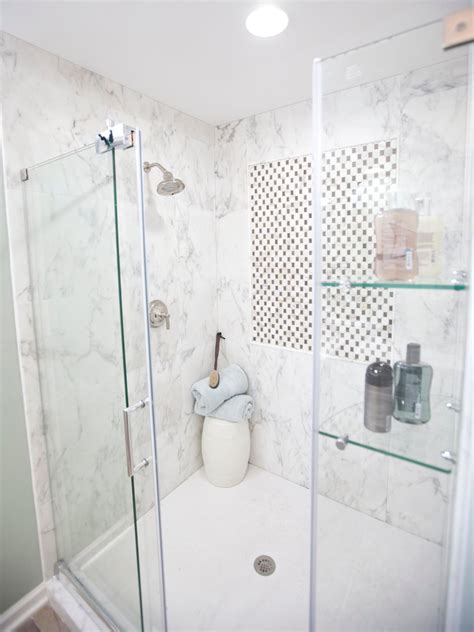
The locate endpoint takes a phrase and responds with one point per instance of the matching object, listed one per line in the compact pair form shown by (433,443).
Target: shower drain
(264,565)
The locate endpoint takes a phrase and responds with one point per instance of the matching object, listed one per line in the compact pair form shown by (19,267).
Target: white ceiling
(198,56)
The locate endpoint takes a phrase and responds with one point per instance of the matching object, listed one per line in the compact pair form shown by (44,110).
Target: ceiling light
(266,21)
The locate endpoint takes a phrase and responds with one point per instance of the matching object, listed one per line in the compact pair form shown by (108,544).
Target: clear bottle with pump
(429,245)
(395,236)
(412,383)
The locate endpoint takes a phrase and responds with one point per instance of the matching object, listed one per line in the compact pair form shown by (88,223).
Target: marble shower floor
(372,577)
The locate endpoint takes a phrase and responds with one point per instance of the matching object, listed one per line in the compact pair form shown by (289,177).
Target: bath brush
(214,375)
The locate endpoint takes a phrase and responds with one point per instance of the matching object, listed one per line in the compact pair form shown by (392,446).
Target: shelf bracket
(341,442)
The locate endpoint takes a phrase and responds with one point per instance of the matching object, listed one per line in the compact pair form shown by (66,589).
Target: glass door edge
(137,136)
(316,325)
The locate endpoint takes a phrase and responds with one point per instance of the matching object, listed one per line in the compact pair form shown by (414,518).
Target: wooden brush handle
(218,344)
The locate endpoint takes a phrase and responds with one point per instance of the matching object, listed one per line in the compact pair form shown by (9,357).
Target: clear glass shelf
(415,285)
(418,444)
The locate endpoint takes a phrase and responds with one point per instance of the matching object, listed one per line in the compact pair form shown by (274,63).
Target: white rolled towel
(232,381)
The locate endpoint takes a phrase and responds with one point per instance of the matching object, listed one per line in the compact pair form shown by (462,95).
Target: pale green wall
(20,566)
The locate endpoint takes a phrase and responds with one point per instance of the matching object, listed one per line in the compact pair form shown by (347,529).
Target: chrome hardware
(454,407)
(24,175)
(114,137)
(449,456)
(459,276)
(131,468)
(341,442)
(158,314)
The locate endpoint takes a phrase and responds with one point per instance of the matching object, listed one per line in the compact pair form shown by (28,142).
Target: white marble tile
(72,610)
(432,147)
(374,577)
(418,500)
(280,380)
(371,576)
(361,114)
(354,477)
(51,106)
(200,267)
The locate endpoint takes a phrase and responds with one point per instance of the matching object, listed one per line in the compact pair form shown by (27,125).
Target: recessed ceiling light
(266,21)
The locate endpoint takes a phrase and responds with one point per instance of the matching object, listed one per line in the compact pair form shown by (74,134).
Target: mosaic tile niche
(357,324)
(281,252)
(356,182)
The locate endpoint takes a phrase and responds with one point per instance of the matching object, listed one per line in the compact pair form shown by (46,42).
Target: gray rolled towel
(237,408)
(233,381)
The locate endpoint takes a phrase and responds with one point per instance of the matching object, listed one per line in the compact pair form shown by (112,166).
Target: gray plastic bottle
(412,388)
(378,401)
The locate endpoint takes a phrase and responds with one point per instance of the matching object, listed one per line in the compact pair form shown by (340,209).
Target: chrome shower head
(169,185)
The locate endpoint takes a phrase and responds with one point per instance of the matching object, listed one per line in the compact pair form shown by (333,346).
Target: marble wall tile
(51,106)
(199,264)
(410,107)
(354,477)
(432,146)
(280,380)
(417,500)
(346,120)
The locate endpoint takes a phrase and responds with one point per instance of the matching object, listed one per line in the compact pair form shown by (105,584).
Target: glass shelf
(419,444)
(415,285)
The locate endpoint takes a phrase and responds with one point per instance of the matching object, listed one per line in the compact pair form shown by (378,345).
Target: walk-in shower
(334,527)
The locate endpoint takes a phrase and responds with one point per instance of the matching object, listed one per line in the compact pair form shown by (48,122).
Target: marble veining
(198,263)
(66,291)
(425,111)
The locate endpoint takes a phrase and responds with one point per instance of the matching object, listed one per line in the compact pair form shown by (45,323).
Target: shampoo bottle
(378,400)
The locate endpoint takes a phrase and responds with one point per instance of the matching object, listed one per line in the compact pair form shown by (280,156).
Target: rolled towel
(237,408)
(233,381)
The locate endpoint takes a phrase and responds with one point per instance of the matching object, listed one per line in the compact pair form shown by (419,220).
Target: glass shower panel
(391,138)
(136,353)
(81,316)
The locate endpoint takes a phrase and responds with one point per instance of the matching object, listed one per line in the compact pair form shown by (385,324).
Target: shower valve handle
(158,314)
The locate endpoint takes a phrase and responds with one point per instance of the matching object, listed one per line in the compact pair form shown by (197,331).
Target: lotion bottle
(429,244)
(395,236)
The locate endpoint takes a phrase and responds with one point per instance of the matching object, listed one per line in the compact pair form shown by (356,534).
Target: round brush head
(214,379)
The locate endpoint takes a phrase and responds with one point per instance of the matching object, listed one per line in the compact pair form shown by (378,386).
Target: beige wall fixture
(458,28)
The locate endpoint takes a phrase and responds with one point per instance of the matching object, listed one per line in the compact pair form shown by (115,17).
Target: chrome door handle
(131,467)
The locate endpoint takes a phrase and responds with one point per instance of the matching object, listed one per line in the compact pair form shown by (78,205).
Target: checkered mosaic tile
(356,182)
(357,325)
(281,224)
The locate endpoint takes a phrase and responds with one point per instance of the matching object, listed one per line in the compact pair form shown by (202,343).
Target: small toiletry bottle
(429,245)
(378,402)
(395,237)
(412,380)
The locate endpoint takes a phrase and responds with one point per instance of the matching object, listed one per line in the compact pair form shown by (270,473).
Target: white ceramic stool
(225,451)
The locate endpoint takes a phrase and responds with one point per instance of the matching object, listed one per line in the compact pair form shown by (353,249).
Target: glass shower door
(86,290)
(390,136)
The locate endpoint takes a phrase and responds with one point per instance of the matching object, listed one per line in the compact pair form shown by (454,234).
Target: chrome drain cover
(264,565)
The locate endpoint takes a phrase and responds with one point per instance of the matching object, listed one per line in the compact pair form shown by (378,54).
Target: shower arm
(148,166)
